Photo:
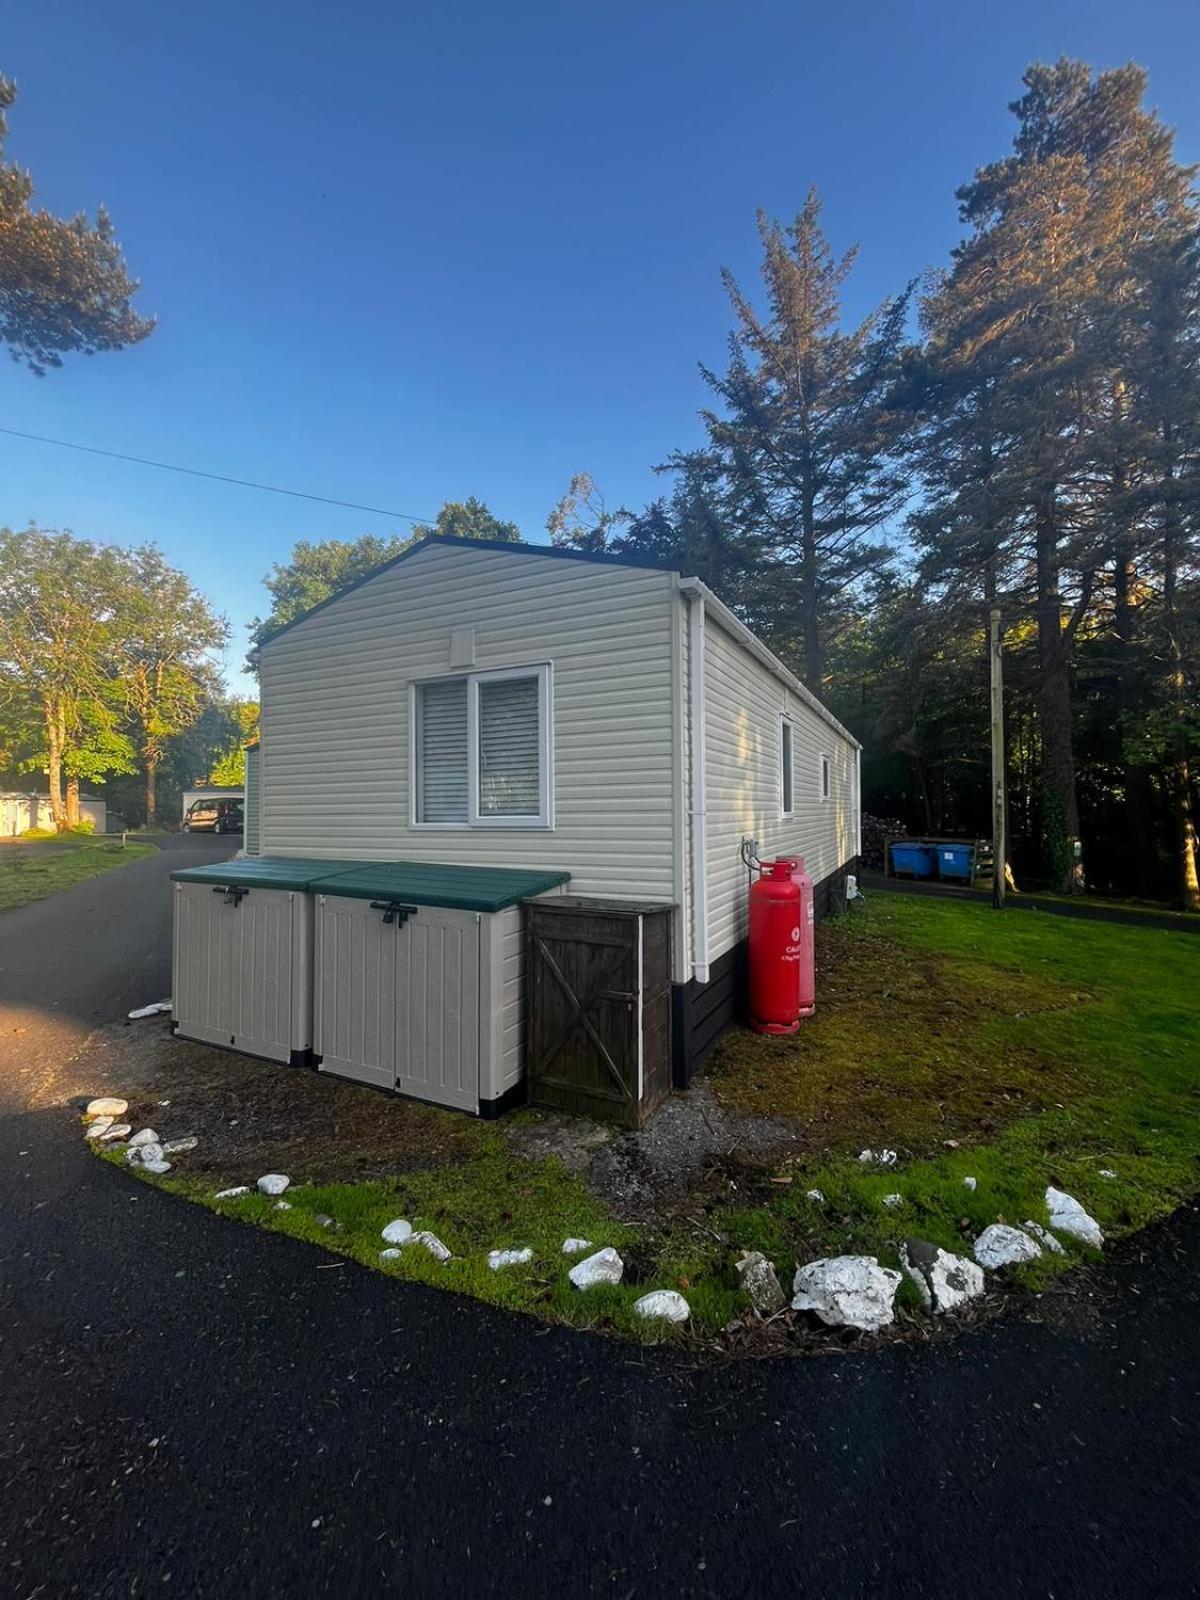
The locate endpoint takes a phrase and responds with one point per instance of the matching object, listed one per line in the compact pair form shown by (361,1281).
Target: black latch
(394,911)
(234,893)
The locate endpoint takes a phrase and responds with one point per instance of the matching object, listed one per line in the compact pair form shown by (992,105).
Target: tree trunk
(814,664)
(54,779)
(1139,843)
(925,800)
(72,802)
(1060,806)
(151,800)
(1180,786)
(1179,779)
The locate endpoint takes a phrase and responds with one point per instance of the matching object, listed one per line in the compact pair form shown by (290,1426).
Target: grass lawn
(31,873)
(1010,1048)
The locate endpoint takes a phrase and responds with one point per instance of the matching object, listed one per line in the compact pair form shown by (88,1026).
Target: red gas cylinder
(808,968)
(775,930)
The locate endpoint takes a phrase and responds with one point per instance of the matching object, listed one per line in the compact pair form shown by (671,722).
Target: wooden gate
(599,1023)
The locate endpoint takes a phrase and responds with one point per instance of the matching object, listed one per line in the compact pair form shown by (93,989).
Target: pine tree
(1025,448)
(806,432)
(63,281)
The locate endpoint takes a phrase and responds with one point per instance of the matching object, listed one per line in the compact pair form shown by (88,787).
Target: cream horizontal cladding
(744,704)
(334,764)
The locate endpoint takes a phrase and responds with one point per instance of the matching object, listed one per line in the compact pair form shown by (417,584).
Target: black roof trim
(457,542)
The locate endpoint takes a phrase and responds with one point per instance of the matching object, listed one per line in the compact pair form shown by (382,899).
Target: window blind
(442,751)
(509,763)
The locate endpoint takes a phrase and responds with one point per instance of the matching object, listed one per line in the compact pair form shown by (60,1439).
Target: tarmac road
(193,1408)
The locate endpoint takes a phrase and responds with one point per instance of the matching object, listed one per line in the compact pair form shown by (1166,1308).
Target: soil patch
(260,1116)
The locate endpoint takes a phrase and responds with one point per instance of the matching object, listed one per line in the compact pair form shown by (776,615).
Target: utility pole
(999,846)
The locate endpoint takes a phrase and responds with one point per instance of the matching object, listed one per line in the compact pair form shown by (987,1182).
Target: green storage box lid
(436,883)
(264,872)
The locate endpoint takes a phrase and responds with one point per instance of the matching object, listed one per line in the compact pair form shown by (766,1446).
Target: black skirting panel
(700,1013)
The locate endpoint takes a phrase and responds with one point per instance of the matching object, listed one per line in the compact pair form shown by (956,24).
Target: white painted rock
(119,1130)
(1069,1217)
(971,1183)
(144,1155)
(509,1258)
(665,1304)
(1044,1237)
(157,1167)
(943,1281)
(757,1278)
(101,1125)
(106,1106)
(433,1244)
(231,1194)
(880,1158)
(154,1010)
(572,1247)
(282,1205)
(1002,1246)
(144,1136)
(815,1194)
(605,1266)
(392,1253)
(176,1147)
(847,1291)
(1107,1172)
(891,1201)
(273,1183)
(398,1232)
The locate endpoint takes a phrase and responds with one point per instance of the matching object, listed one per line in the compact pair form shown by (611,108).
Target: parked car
(214,815)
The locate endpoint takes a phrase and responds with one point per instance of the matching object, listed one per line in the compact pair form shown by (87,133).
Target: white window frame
(544,820)
(824,778)
(787,758)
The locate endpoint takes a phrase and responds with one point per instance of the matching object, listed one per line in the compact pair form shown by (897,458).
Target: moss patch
(909,1047)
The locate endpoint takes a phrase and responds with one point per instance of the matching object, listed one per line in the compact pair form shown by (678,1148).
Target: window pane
(509,748)
(442,751)
(786,756)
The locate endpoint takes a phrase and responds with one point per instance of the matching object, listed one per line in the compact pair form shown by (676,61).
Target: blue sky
(404,253)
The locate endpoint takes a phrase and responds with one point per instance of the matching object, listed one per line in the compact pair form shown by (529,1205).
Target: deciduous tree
(166,635)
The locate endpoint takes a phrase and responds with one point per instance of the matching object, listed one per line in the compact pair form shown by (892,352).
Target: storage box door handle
(394,911)
(234,893)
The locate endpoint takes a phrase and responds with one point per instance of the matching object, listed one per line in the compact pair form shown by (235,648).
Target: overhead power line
(216,477)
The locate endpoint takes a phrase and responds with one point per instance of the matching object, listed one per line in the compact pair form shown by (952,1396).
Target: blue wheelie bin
(913,860)
(955,862)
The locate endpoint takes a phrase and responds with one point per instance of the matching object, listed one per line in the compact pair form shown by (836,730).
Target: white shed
(491,704)
(22,809)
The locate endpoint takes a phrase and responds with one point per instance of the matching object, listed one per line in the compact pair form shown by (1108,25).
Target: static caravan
(487,705)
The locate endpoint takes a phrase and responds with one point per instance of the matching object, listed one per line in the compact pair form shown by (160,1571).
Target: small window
(441,752)
(824,788)
(787,799)
(509,749)
(481,750)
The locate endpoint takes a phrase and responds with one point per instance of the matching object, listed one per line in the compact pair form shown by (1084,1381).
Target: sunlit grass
(27,874)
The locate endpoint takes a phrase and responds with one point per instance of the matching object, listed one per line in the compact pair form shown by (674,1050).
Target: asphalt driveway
(192,1407)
